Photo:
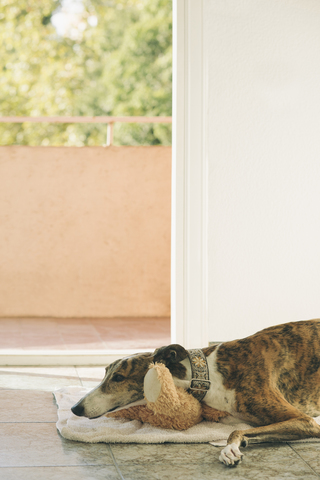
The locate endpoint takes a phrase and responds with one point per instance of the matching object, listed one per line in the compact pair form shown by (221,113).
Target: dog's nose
(78,410)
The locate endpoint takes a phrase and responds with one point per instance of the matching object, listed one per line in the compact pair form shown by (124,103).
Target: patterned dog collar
(200,382)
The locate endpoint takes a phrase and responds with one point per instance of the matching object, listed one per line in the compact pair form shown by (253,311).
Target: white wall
(263,163)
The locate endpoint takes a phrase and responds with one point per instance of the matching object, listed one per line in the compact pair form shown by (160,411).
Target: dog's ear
(170,354)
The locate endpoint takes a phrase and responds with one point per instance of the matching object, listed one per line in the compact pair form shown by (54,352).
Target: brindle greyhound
(270,380)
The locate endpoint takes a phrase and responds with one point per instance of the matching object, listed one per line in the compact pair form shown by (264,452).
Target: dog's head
(123,381)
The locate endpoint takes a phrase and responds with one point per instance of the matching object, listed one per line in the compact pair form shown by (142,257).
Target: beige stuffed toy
(168,406)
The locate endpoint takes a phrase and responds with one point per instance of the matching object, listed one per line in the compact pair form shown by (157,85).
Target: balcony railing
(109,120)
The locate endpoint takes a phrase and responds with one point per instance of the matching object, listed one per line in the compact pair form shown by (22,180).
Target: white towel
(115,430)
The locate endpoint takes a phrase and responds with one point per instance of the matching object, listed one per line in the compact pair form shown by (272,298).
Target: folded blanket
(112,430)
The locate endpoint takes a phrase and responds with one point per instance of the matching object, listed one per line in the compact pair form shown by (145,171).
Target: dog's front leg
(231,455)
(293,429)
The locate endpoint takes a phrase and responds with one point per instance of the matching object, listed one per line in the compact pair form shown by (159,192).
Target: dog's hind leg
(294,429)
(281,422)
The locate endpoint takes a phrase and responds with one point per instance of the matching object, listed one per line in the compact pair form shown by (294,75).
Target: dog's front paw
(231,455)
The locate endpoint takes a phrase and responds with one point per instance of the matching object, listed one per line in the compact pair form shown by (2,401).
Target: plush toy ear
(170,354)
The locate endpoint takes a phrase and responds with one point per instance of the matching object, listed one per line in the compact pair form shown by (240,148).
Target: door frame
(189,276)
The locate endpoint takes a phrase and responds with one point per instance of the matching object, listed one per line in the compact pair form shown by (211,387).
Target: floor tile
(134,333)
(278,461)
(27,406)
(90,376)
(310,453)
(168,472)
(90,383)
(91,373)
(260,463)
(32,449)
(39,444)
(59,473)
(83,344)
(84,333)
(175,454)
(23,379)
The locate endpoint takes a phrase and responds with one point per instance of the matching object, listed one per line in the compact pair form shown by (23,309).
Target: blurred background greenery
(85,57)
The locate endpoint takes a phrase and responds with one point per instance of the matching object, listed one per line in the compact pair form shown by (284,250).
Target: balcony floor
(84,333)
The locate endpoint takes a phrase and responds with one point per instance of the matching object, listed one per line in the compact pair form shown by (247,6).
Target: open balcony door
(189,322)
(189,317)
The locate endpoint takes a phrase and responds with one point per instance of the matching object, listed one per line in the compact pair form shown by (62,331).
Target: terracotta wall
(85,231)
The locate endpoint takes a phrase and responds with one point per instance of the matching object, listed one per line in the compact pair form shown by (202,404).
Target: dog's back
(285,359)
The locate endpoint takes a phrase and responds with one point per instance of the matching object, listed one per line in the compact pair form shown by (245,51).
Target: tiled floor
(32,449)
(83,333)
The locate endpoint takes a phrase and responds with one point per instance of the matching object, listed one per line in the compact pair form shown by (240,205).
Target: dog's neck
(196,379)
(200,383)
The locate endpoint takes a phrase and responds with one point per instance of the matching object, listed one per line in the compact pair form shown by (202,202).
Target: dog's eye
(117,377)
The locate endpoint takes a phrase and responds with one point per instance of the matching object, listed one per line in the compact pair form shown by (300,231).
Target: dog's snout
(78,410)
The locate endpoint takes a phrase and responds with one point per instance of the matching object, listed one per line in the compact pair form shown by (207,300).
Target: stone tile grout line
(292,448)
(76,369)
(115,462)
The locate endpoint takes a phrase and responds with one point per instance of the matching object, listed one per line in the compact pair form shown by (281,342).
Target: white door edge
(189,322)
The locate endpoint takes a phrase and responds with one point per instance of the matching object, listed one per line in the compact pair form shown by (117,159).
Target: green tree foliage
(114,60)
